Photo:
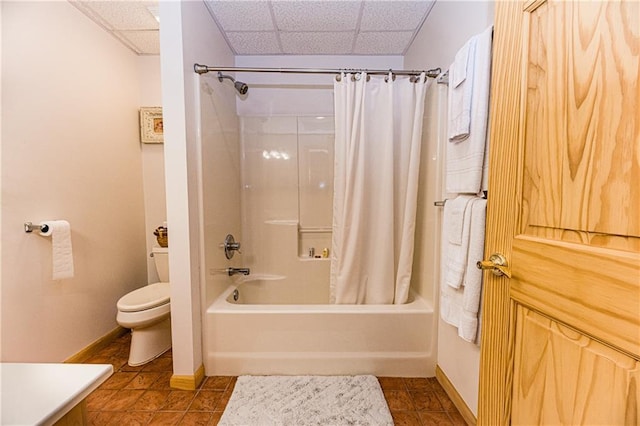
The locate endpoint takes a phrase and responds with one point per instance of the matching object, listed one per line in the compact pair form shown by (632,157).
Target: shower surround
(287,190)
(283,159)
(283,322)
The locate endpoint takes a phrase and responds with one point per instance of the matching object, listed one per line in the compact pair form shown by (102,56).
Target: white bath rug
(306,400)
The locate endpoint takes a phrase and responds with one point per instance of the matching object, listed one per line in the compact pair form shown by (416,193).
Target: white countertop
(41,394)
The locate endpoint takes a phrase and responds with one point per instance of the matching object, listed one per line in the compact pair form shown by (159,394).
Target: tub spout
(234,271)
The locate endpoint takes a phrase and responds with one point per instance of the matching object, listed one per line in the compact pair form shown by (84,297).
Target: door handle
(497,263)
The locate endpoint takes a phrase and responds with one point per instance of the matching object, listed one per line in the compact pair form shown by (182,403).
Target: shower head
(241,87)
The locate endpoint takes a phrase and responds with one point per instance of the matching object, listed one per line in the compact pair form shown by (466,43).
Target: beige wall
(189,35)
(155,203)
(425,256)
(447,28)
(70,150)
(220,147)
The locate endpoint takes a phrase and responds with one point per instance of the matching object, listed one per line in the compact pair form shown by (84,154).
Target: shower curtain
(377,159)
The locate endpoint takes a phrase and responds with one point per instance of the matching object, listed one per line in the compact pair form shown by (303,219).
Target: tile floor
(142,396)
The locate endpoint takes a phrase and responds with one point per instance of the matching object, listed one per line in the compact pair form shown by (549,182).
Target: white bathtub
(301,335)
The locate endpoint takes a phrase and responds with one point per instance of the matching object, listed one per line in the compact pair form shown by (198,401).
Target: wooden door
(561,338)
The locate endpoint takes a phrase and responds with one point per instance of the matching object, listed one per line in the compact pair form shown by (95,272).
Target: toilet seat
(144,318)
(147,297)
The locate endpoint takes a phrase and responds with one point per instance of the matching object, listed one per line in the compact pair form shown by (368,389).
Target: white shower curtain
(377,160)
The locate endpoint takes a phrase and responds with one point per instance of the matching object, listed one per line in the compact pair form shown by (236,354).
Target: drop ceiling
(134,23)
(278,27)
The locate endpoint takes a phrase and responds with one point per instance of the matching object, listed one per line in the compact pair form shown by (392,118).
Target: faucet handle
(230,245)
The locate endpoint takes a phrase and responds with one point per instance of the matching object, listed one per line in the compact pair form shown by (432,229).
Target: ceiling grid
(278,27)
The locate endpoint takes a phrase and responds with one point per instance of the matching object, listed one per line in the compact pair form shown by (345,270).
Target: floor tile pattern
(142,396)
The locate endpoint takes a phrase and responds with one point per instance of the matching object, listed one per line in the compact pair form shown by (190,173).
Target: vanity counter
(42,394)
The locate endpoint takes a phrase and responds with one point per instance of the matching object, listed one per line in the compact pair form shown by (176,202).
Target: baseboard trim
(188,382)
(453,394)
(95,347)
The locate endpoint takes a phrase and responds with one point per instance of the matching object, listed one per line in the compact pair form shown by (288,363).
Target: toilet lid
(146,297)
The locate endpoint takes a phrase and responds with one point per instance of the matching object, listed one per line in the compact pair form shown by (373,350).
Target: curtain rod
(203,69)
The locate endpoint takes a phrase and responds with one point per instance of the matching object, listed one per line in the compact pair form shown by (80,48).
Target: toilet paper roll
(62,253)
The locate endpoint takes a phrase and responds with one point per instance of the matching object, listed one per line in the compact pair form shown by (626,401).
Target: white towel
(62,253)
(450,298)
(457,219)
(460,307)
(460,88)
(466,159)
(451,305)
(472,284)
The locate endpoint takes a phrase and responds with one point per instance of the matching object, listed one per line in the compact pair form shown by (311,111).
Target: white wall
(70,150)
(187,35)
(155,202)
(447,28)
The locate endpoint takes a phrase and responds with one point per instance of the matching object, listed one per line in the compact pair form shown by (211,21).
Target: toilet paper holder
(30,227)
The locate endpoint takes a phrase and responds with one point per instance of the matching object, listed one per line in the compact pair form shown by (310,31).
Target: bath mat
(306,400)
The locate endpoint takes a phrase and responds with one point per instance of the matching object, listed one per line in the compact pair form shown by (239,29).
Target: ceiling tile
(123,15)
(317,43)
(393,15)
(242,15)
(254,43)
(382,43)
(143,42)
(316,15)
(275,27)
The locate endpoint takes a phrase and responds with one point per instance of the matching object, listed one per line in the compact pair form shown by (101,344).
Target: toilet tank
(161,259)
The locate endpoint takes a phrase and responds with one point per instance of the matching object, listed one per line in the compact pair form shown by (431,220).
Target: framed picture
(151,125)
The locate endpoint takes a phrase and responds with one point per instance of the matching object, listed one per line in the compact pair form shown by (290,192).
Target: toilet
(147,312)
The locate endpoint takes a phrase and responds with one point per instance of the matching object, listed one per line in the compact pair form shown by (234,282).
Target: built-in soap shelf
(313,241)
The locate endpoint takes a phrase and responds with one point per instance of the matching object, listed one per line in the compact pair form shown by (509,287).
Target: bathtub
(278,327)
